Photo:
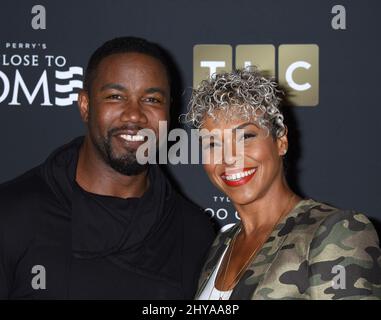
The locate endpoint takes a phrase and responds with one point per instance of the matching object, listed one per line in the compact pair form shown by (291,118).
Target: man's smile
(130,140)
(129,137)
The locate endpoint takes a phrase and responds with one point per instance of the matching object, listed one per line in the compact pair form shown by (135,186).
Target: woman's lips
(239,178)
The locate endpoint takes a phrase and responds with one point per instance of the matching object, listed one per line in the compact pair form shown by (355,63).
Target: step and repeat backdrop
(324,53)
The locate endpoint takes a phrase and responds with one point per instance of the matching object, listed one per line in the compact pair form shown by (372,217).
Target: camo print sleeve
(316,252)
(344,259)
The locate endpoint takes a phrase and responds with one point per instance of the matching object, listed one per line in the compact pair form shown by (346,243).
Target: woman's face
(246,173)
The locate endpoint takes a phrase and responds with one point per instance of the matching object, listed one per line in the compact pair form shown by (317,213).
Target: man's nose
(132,112)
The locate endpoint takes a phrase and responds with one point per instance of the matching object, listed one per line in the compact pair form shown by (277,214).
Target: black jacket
(59,242)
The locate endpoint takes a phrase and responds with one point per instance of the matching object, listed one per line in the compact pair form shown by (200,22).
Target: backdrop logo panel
(298,66)
(222,211)
(29,75)
(299,73)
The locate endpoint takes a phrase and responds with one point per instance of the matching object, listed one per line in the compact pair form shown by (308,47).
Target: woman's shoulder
(345,243)
(324,216)
(338,230)
(324,228)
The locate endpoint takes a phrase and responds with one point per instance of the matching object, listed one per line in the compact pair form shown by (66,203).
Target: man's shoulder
(20,192)
(187,207)
(21,184)
(195,218)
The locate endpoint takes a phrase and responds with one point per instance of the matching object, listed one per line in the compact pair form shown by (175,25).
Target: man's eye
(152,100)
(114,97)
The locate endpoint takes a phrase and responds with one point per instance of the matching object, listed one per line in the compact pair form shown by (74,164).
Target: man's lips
(238,178)
(130,138)
(129,135)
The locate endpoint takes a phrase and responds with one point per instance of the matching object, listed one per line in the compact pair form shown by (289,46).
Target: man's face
(130,92)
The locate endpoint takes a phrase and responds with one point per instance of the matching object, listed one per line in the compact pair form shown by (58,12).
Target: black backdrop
(336,153)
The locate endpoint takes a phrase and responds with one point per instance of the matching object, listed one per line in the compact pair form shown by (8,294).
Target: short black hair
(125,45)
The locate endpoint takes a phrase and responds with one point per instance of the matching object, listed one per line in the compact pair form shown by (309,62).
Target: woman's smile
(235,179)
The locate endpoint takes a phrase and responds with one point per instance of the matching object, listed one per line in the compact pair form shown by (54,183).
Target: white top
(210,292)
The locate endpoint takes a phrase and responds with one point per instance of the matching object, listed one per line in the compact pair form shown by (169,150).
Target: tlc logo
(298,66)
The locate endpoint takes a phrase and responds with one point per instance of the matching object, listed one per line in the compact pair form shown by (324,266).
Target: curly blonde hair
(244,93)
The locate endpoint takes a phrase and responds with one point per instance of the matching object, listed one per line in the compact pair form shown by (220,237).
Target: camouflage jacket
(315,252)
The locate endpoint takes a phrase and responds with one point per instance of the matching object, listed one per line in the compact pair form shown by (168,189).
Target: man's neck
(95,176)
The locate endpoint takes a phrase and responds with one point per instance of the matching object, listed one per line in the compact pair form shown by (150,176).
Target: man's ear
(282,143)
(84,105)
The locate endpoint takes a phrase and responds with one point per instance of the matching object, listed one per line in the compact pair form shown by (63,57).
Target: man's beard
(125,164)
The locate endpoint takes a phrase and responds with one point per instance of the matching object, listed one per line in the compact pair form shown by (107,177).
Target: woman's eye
(247,136)
(206,146)
(211,145)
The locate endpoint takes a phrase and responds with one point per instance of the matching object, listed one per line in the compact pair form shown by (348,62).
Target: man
(91,221)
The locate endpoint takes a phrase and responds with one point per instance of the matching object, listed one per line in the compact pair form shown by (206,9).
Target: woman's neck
(267,210)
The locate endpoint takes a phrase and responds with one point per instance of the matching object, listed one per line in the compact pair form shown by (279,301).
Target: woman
(284,247)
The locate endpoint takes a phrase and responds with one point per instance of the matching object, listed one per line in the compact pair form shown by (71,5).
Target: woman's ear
(282,143)
(83,105)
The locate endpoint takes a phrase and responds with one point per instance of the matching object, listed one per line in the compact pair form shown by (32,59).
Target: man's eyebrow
(155,90)
(115,86)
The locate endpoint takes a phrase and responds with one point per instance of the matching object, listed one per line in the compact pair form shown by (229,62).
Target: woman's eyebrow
(243,125)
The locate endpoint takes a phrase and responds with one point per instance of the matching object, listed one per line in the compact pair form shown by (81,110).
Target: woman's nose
(229,153)
(233,153)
